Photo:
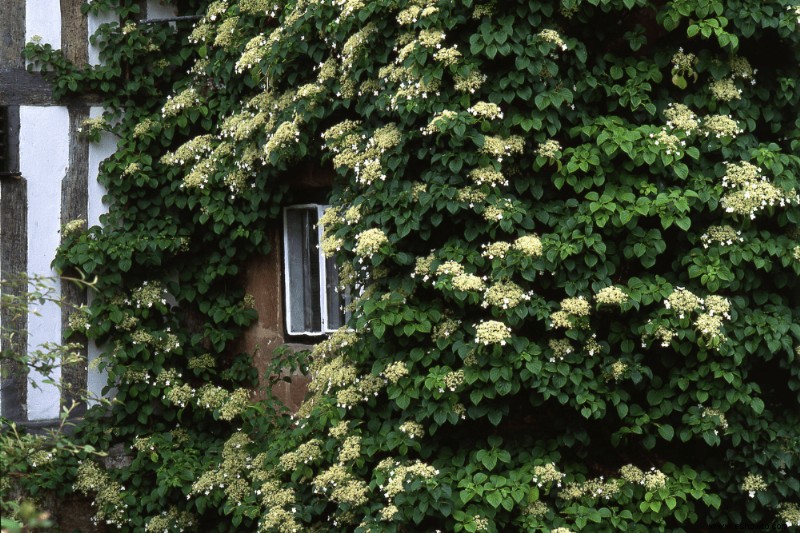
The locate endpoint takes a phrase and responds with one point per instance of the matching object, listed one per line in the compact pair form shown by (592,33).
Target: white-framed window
(314,306)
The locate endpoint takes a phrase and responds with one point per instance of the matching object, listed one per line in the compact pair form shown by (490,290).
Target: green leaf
(494,498)
(757,404)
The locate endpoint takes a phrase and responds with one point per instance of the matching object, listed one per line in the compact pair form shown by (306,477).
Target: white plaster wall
(94,22)
(44,156)
(98,151)
(157,10)
(43,19)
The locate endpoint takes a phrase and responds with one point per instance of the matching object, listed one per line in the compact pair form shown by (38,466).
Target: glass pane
(303,292)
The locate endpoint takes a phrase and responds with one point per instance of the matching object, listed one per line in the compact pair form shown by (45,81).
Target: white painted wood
(94,22)
(290,285)
(98,152)
(44,157)
(43,19)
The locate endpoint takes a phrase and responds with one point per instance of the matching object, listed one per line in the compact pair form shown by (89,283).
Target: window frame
(325,328)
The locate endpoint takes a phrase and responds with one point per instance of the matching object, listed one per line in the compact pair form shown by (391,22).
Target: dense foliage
(574,226)
(32,466)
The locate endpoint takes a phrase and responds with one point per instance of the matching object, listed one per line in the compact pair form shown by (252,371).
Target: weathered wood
(74,32)
(12,32)
(20,87)
(74,206)
(14,265)
(183,18)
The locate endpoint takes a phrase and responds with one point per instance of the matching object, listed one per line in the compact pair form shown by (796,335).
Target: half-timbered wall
(49,178)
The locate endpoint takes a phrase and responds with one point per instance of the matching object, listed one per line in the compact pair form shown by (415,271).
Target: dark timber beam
(12,33)
(75,205)
(75,201)
(20,87)
(14,265)
(74,32)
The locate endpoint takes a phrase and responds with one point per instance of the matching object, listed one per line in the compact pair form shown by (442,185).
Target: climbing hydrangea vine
(573,224)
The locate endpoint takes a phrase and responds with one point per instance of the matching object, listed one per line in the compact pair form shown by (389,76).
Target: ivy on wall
(575,229)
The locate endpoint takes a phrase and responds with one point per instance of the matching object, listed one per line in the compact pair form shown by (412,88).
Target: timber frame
(20,88)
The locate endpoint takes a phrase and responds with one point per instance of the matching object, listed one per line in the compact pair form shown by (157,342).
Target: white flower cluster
(663,334)
(499,147)
(684,63)
(720,126)
(751,191)
(448,56)
(553,37)
(549,149)
(790,512)
(753,483)
(254,52)
(496,249)
(450,268)
(504,295)
(679,117)
(492,332)
(652,480)
(529,245)
(487,176)
(439,122)
(725,90)
(498,211)
(354,45)
(369,242)
(714,310)
(468,283)
(396,482)
(795,10)
(190,152)
(485,110)
(561,348)
(148,294)
(570,308)
(546,474)
(682,301)
(740,68)
(286,136)
(395,371)
(722,235)
(710,412)
(612,295)
(617,370)
(453,380)
(412,429)
(670,143)
(470,83)
(183,100)
(359,153)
